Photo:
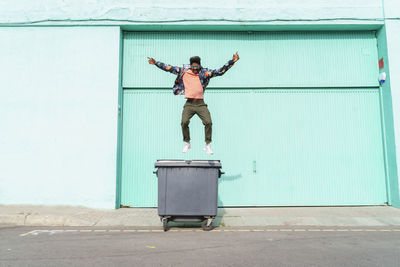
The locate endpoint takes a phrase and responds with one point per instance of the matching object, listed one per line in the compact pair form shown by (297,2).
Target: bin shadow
(218,221)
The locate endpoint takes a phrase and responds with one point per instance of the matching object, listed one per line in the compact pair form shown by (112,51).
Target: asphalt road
(302,246)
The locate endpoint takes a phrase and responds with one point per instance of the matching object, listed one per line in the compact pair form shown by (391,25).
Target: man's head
(195,64)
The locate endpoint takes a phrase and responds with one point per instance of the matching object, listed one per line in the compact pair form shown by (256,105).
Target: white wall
(392,9)
(58,115)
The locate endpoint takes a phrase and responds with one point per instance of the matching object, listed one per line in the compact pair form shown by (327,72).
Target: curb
(227,217)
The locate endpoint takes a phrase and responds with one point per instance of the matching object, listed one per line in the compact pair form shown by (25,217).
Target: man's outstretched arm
(224,68)
(165,67)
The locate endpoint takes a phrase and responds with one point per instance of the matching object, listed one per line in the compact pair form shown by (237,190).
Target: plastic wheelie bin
(188,191)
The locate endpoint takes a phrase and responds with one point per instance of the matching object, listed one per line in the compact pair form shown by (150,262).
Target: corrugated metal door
(295,122)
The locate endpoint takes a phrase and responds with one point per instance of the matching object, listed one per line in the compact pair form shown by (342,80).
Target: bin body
(188,188)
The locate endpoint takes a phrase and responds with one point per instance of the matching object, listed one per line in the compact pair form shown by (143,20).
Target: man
(192,80)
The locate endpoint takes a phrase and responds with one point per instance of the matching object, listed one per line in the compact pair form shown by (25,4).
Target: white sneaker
(186,147)
(208,150)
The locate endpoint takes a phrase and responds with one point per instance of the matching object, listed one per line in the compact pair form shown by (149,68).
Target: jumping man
(192,80)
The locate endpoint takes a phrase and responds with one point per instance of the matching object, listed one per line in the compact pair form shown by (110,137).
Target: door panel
(267,59)
(278,147)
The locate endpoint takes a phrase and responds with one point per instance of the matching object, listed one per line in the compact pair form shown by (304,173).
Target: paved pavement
(287,236)
(25,215)
(224,246)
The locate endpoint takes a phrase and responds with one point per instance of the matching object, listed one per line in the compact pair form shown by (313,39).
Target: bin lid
(188,163)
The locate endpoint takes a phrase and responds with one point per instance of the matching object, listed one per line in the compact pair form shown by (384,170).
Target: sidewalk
(25,215)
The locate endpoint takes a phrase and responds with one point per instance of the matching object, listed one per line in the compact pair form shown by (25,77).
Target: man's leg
(187,114)
(205,117)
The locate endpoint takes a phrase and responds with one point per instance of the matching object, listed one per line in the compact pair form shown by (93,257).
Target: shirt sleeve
(220,71)
(169,68)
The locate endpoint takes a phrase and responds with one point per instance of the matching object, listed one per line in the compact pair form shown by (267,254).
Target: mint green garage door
(296,122)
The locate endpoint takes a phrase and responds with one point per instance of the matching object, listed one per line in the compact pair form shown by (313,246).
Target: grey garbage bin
(188,191)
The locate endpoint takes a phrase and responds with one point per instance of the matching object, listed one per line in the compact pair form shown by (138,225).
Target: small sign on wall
(381,64)
(382,77)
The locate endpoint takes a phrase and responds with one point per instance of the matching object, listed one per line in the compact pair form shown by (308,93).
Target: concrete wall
(119,12)
(58,106)
(59,85)
(392,24)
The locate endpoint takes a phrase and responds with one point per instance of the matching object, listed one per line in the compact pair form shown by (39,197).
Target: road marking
(51,232)
(28,233)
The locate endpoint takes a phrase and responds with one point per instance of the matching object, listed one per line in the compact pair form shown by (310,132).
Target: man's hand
(235,57)
(152,61)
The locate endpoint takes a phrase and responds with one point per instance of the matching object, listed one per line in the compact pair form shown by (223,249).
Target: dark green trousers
(192,107)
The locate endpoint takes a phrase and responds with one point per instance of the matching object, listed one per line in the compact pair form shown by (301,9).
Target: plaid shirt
(204,75)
